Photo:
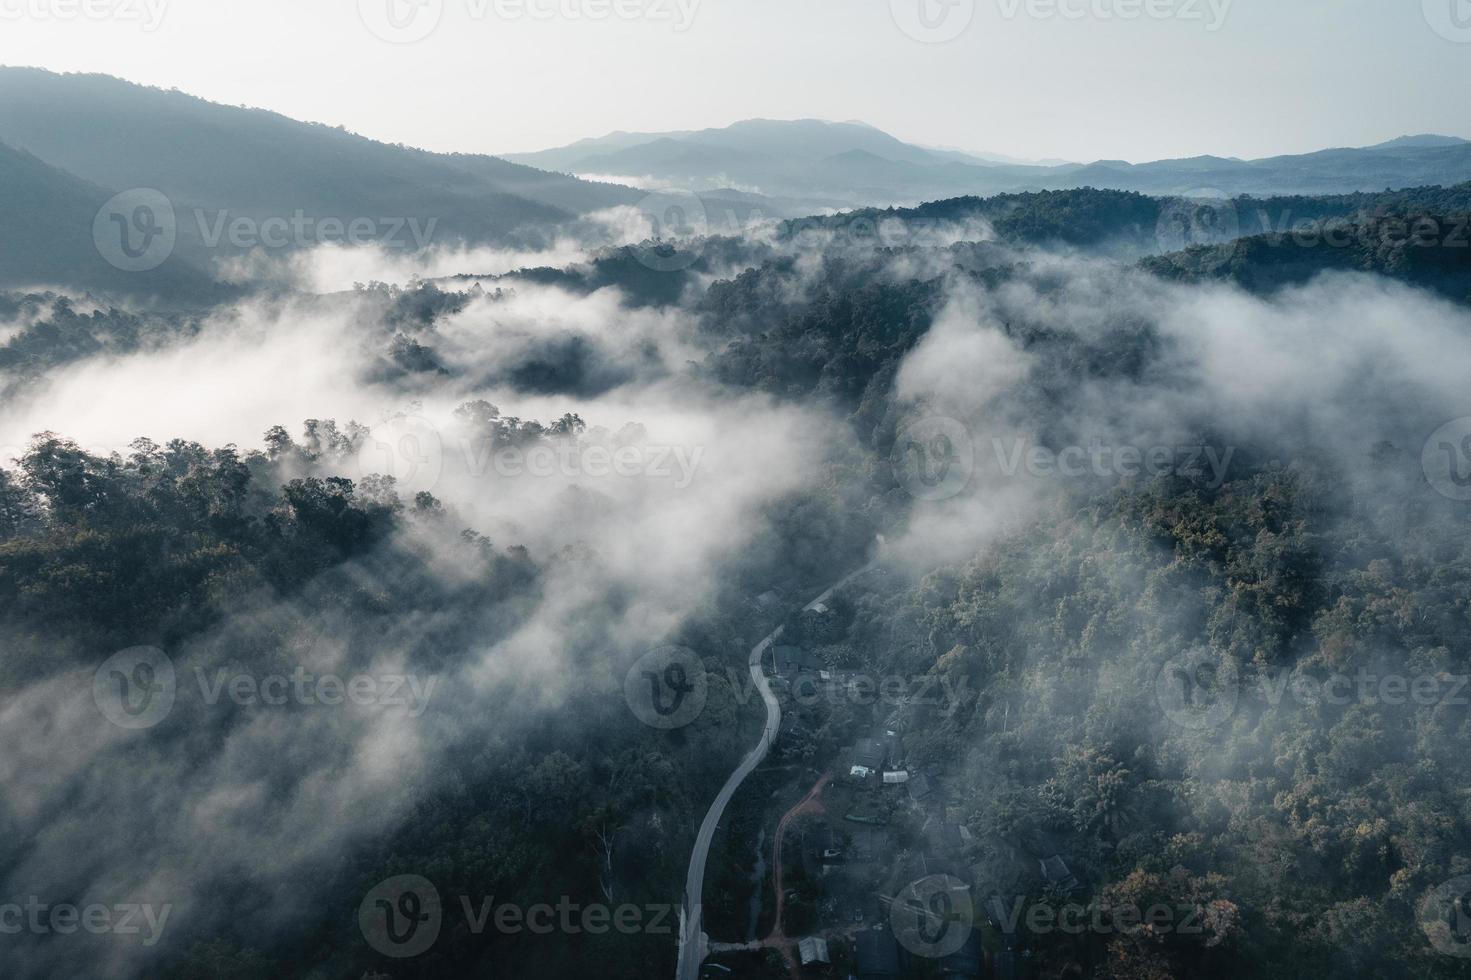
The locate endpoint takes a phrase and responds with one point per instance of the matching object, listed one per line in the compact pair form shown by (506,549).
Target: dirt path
(778,937)
(693,943)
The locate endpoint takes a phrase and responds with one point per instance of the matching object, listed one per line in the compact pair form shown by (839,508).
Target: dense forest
(1302,833)
(1305,833)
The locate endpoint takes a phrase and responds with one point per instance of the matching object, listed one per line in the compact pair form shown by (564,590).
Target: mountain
(259,165)
(803,139)
(1423,140)
(48,217)
(809,159)
(968,156)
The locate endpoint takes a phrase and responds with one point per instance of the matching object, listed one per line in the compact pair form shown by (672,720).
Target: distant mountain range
(74,140)
(820,163)
(69,143)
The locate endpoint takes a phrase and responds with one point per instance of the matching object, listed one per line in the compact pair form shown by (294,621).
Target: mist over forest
(778,550)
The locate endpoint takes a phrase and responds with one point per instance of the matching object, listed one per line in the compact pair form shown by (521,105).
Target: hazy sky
(1076,79)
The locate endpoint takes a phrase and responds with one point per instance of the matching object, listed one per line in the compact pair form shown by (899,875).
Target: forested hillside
(48,215)
(258,165)
(1295,534)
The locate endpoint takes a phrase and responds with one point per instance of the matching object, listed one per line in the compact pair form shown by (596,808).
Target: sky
(1072,79)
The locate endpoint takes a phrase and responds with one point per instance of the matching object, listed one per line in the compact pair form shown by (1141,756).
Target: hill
(258,165)
(48,217)
(859,164)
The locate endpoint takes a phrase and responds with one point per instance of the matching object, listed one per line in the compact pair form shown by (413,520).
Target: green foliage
(1431,249)
(1304,833)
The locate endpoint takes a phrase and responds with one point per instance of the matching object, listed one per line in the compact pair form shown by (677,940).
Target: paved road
(693,943)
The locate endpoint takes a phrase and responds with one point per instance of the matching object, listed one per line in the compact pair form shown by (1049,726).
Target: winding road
(693,943)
